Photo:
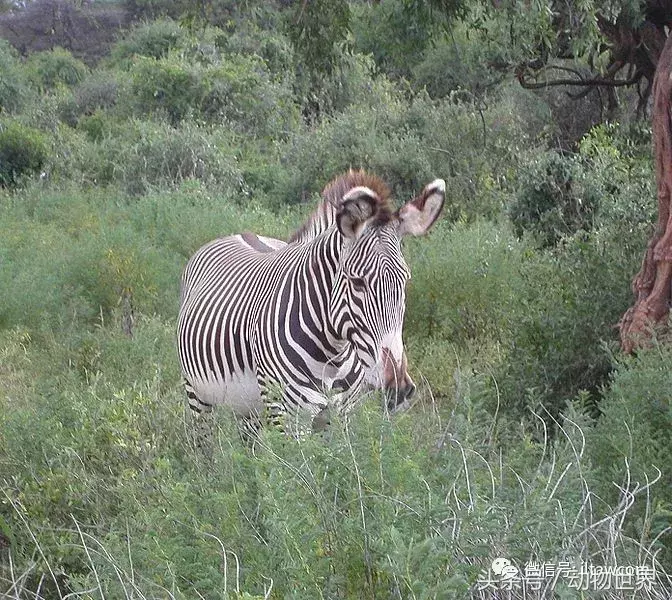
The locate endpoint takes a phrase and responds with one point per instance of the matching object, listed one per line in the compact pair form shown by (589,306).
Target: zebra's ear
(418,215)
(356,208)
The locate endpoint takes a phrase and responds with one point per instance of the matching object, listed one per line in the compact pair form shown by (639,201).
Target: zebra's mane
(325,213)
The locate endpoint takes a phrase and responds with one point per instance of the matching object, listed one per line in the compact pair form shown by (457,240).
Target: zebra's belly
(240,392)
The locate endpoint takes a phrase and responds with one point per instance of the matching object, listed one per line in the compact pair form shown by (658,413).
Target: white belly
(241,393)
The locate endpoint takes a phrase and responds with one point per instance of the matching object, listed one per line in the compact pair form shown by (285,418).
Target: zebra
(277,330)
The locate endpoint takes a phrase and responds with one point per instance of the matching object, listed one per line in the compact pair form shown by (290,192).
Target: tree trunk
(652,284)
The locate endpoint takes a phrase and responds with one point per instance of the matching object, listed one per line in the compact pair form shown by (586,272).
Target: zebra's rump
(222,287)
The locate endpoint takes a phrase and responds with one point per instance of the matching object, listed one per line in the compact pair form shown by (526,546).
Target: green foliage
(241,93)
(13,84)
(68,255)
(398,32)
(214,12)
(460,61)
(23,152)
(464,283)
(371,137)
(620,159)
(152,40)
(632,439)
(166,87)
(569,306)
(558,196)
(316,29)
(237,90)
(192,131)
(52,68)
(160,154)
(576,293)
(99,91)
(409,143)
(250,39)
(373,507)
(395,36)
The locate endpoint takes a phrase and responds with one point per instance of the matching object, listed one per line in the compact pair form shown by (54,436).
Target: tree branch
(593,82)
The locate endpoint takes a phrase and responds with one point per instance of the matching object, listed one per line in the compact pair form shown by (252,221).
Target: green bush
(375,506)
(619,160)
(159,154)
(52,68)
(152,40)
(240,93)
(166,87)
(564,322)
(13,84)
(99,91)
(409,143)
(465,281)
(23,152)
(632,439)
(353,81)
(237,91)
(394,34)
(250,39)
(458,62)
(366,137)
(558,196)
(138,155)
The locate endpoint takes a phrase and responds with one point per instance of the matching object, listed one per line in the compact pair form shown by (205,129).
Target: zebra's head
(372,276)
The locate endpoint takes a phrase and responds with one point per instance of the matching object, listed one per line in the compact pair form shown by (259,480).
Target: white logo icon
(504,568)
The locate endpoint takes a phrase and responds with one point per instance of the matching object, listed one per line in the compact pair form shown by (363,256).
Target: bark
(652,284)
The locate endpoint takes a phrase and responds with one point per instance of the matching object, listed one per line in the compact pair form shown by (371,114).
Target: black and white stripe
(277,330)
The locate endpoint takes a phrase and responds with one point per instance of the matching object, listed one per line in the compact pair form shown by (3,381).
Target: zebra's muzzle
(398,398)
(397,384)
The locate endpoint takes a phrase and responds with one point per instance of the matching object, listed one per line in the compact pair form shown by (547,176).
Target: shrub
(240,92)
(353,81)
(557,196)
(13,83)
(23,152)
(52,68)
(359,137)
(465,281)
(166,88)
(458,62)
(565,321)
(619,160)
(163,155)
(409,143)
(632,439)
(152,40)
(99,91)
(237,90)
(393,33)
(138,155)
(249,39)
(375,506)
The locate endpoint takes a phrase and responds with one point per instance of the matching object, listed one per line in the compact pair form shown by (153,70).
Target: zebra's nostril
(397,397)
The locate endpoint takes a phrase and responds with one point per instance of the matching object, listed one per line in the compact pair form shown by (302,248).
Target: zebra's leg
(322,420)
(249,427)
(295,408)
(202,422)
(298,412)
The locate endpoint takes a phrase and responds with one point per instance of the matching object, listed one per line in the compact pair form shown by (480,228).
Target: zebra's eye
(358,284)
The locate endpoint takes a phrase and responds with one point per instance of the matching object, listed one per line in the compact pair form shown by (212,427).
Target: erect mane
(325,213)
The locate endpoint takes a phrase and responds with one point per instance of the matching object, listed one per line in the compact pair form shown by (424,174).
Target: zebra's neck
(322,218)
(317,281)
